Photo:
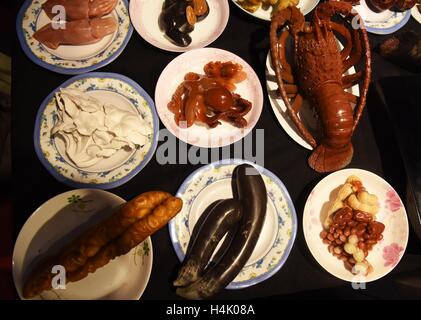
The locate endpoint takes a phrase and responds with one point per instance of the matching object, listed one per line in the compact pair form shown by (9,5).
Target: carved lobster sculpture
(316,74)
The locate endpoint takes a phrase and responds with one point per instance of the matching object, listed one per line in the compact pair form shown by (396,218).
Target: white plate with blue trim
(69,59)
(63,218)
(305,6)
(109,172)
(213,182)
(385,22)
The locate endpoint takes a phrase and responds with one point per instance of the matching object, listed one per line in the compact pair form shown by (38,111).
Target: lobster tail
(327,159)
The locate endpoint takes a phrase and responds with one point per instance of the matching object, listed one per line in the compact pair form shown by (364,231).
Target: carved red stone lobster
(316,74)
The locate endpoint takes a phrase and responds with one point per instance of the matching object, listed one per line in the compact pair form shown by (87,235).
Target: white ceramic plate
(200,135)
(386,254)
(306,113)
(415,13)
(71,59)
(109,172)
(385,22)
(305,6)
(213,182)
(62,218)
(145,14)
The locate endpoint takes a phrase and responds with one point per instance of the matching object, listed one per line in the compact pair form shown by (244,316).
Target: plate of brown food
(209,97)
(179,25)
(263,9)
(235,230)
(355,225)
(90,244)
(73,36)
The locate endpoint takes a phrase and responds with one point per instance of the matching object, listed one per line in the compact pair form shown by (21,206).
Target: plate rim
(389,30)
(294,221)
(305,214)
(109,185)
(69,71)
(36,213)
(153,42)
(316,2)
(244,63)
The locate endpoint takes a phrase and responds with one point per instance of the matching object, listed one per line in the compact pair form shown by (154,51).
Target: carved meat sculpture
(317,74)
(79,32)
(210,98)
(79,9)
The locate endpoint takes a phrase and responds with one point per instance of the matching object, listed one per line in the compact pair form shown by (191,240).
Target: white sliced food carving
(92,131)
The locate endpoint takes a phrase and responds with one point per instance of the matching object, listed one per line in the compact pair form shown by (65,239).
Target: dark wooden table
(248,38)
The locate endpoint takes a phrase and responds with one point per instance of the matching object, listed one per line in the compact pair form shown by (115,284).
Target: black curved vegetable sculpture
(178,18)
(250,190)
(222,216)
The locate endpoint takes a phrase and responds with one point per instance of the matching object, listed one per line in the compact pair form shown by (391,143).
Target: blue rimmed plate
(385,22)
(109,172)
(71,59)
(212,182)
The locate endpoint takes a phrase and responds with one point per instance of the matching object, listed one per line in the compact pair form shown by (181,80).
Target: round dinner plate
(200,135)
(306,113)
(145,14)
(385,22)
(60,220)
(109,172)
(70,59)
(212,182)
(416,13)
(386,254)
(306,6)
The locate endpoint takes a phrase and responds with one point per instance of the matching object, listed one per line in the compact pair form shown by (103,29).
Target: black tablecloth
(248,38)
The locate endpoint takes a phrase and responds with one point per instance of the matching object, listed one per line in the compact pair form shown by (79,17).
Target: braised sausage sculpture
(243,216)
(316,74)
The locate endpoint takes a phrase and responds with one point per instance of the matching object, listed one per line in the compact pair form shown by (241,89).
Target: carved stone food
(210,98)
(178,18)
(350,227)
(403,5)
(92,130)
(79,9)
(78,32)
(117,235)
(316,73)
(254,5)
(243,218)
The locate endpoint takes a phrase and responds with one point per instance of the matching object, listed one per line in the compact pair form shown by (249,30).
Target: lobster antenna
(367,72)
(277,64)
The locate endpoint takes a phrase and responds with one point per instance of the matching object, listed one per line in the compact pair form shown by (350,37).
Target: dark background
(301,276)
